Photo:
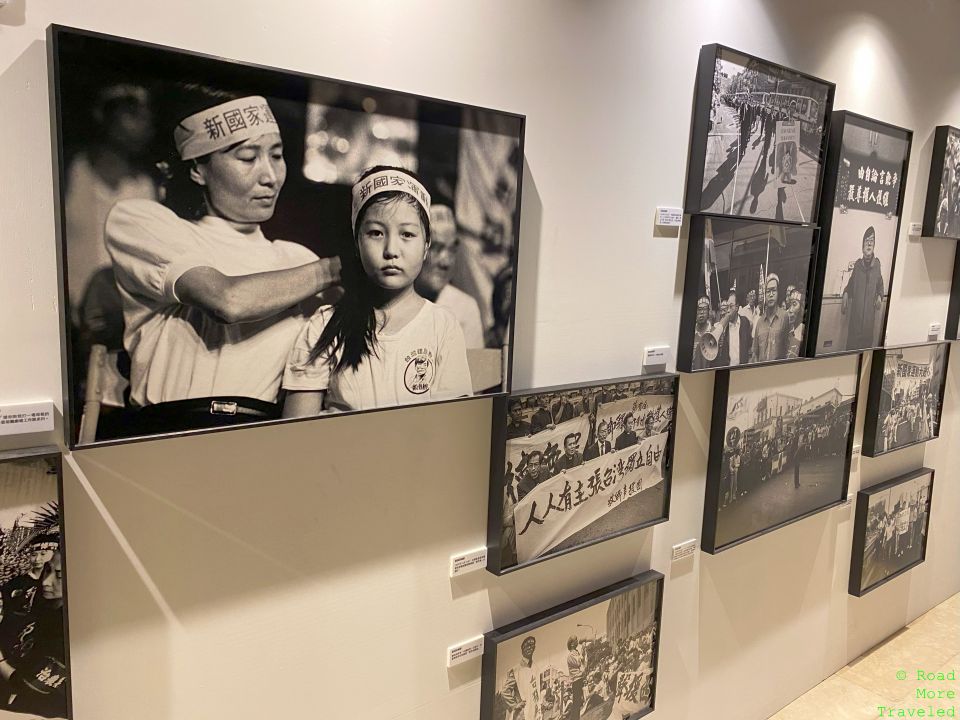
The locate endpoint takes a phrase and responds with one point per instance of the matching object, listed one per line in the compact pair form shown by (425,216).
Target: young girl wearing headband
(383,344)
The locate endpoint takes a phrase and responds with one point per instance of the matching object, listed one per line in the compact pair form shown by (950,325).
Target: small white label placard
(684,549)
(669,216)
(468,562)
(656,356)
(26,418)
(916,229)
(934,332)
(464,651)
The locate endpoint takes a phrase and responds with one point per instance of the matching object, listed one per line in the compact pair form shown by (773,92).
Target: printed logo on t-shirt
(420,371)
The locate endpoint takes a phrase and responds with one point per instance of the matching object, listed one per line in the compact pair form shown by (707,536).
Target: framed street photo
(859,226)
(574,465)
(241,244)
(780,443)
(593,657)
(35,666)
(745,296)
(941,211)
(905,399)
(758,138)
(890,530)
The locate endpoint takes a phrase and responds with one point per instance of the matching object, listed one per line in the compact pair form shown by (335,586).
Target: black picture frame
(711,540)
(945,137)
(689,358)
(168,64)
(835,170)
(496,638)
(877,439)
(701,199)
(952,330)
(50,461)
(861,545)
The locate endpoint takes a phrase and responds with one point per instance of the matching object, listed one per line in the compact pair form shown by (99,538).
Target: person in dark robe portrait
(862,296)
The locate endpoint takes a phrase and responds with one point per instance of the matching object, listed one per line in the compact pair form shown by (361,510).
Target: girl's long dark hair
(352,329)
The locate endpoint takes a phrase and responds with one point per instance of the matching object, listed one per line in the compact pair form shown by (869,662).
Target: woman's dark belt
(199,413)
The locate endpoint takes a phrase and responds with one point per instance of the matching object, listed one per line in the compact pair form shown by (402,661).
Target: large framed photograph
(952,329)
(941,211)
(890,530)
(242,244)
(905,399)
(780,444)
(745,296)
(593,658)
(574,465)
(34,646)
(758,138)
(859,226)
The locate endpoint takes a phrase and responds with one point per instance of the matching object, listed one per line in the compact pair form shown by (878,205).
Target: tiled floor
(858,691)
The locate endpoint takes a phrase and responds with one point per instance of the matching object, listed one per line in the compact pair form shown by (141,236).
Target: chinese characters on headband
(231,121)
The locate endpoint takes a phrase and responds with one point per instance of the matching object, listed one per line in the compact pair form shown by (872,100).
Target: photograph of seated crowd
(262,245)
(579,465)
(764,129)
(941,216)
(748,284)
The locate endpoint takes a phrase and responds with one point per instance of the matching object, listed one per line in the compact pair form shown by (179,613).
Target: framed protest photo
(890,530)
(574,465)
(952,328)
(905,400)
(758,138)
(941,211)
(780,444)
(745,296)
(243,245)
(593,657)
(859,226)
(35,666)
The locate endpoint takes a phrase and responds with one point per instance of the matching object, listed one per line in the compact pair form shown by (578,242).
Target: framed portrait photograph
(34,646)
(593,657)
(905,399)
(859,226)
(890,530)
(758,138)
(241,244)
(941,211)
(745,295)
(780,443)
(574,465)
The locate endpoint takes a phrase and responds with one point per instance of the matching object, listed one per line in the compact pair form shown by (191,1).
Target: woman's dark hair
(352,329)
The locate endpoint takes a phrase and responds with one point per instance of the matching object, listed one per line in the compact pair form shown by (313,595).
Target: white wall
(301,571)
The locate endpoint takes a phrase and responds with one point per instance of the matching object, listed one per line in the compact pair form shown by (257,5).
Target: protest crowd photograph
(942,214)
(582,464)
(266,245)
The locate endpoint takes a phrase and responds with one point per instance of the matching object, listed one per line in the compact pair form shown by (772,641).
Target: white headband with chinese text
(224,125)
(387,181)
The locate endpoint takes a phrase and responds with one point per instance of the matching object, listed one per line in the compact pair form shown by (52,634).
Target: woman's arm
(303,403)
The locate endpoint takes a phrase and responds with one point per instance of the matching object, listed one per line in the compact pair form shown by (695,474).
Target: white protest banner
(568,502)
(787,144)
(547,442)
(612,413)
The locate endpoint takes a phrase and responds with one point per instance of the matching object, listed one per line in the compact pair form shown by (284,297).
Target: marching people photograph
(758,138)
(779,447)
(598,662)
(265,245)
(941,214)
(905,400)
(745,298)
(575,465)
(890,532)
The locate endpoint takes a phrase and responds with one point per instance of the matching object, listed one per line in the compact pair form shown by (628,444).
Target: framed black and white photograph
(574,465)
(758,138)
(34,649)
(905,399)
(941,211)
(593,658)
(780,443)
(241,244)
(890,530)
(952,329)
(745,296)
(859,226)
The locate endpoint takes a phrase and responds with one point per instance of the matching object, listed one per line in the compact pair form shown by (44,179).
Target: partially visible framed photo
(591,658)
(574,465)
(745,296)
(941,211)
(780,443)
(34,646)
(859,226)
(905,399)
(952,330)
(890,530)
(758,138)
